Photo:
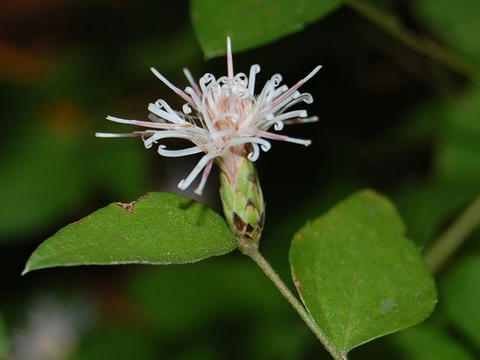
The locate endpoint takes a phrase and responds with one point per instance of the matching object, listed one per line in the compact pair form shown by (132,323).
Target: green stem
(454,236)
(273,276)
(420,44)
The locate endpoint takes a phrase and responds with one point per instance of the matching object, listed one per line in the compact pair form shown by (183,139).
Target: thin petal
(185,183)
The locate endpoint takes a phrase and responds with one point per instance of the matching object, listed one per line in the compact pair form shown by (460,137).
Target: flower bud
(242,202)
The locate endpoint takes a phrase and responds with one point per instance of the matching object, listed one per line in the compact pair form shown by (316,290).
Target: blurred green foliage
(32,180)
(462,291)
(252,23)
(219,291)
(458,145)
(456,25)
(112,341)
(3,339)
(428,343)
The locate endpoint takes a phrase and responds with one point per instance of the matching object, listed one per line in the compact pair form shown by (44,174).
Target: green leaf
(458,149)
(160,228)
(461,293)
(3,339)
(252,23)
(457,23)
(359,277)
(428,343)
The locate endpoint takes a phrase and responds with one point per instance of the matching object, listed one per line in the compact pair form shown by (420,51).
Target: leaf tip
(26,270)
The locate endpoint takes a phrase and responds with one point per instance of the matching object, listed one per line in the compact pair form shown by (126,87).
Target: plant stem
(273,276)
(454,236)
(418,43)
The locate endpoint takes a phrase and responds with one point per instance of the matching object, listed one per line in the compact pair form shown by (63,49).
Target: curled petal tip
(181,185)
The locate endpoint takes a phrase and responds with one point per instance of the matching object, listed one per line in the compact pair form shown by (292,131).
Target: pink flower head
(223,118)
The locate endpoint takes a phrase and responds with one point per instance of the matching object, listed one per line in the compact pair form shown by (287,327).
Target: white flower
(222,118)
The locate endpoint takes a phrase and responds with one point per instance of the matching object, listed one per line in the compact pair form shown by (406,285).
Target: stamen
(192,82)
(306,98)
(148,123)
(225,115)
(178,153)
(169,116)
(206,116)
(206,172)
(254,154)
(254,69)
(195,97)
(185,183)
(295,87)
(269,135)
(277,121)
(155,118)
(248,139)
(291,114)
(186,109)
(276,93)
(206,79)
(112,135)
(229,58)
(222,133)
(157,135)
(268,89)
(301,121)
(232,102)
(171,86)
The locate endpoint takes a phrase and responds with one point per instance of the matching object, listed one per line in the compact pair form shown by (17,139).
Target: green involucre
(242,201)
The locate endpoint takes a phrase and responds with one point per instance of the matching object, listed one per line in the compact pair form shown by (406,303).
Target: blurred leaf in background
(53,171)
(3,339)
(426,342)
(426,206)
(455,177)
(114,341)
(252,23)
(212,300)
(461,289)
(180,299)
(457,24)
(42,178)
(458,157)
